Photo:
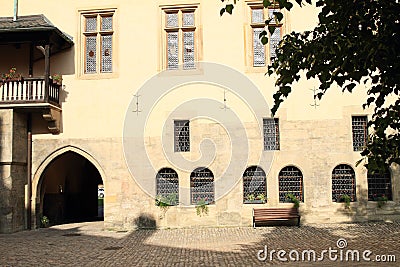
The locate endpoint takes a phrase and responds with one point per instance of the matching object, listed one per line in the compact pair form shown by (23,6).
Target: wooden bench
(275,214)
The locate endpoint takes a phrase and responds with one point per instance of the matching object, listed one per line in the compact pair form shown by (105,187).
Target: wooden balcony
(26,92)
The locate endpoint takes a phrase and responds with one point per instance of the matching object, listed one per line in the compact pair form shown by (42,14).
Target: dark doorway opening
(69,190)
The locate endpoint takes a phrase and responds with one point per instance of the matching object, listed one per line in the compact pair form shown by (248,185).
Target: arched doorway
(69,190)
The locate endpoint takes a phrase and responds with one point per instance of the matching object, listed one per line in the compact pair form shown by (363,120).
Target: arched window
(201,185)
(290,182)
(254,185)
(379,185)
(343,182)
(167,184)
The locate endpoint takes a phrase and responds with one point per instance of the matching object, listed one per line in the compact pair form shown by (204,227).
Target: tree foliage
(355,42)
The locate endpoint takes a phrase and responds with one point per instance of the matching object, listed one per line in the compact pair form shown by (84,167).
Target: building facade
(167,102)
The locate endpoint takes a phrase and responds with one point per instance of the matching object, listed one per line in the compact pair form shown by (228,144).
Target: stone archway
(66,188)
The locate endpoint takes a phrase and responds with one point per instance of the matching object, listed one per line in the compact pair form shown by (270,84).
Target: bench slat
(275,214)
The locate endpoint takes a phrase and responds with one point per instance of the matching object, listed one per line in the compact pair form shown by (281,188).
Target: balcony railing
(29,90)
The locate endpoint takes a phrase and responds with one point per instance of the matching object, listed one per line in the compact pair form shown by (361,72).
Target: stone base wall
(127,206)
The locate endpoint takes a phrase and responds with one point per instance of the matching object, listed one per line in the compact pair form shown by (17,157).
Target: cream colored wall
(313,139)
(91,104)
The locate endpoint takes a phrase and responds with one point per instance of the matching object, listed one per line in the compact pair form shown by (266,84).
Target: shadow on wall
(363,210)
(145,221)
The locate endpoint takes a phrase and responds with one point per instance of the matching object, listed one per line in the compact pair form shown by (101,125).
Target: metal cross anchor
(137,105)
(225,107)
(315,105)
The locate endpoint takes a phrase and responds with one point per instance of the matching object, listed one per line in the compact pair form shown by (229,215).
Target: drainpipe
(15,10)
(29,174)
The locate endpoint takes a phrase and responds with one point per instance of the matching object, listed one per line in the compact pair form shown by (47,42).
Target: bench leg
(298,222)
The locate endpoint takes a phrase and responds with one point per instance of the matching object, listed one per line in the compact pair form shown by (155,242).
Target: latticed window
(259,52)
(271,134)
(167,185)
(254,185)
(379,185)
(201,186)
(343,183)
(290,182)
(182,136)
(360,133)
(98,42)
(180,29)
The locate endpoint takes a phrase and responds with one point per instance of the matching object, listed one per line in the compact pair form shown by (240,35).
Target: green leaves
(228,8)
(266,3)
(354,42)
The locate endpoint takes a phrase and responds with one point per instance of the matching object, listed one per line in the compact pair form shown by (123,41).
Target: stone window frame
(180,29)
(99,14)
(252,25)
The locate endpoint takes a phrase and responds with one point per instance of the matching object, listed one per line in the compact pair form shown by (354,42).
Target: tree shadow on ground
(79,245)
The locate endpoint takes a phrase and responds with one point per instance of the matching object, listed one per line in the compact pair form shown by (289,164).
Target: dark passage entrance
(69,190)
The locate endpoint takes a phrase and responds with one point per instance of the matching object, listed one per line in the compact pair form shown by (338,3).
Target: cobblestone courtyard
(87,244)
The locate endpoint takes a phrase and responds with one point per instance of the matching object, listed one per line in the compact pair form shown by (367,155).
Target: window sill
(99,76)
(254,202)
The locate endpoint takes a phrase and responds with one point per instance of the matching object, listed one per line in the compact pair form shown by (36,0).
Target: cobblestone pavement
(87,244)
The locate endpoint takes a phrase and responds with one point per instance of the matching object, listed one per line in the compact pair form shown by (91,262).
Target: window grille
(343,183)
(91,24)
(254,184)
(172,20)
(182,136)
(359,129)
(257,15)
(290,182)
(106,23)
(106,53)
(379,184)
(188,52)
(172,44)
(188,19)
(167,184)
(272,16)
(274,42)
(91,45)
(180,30)
(201,185)
(258,48)
(271,134)
(98,36)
